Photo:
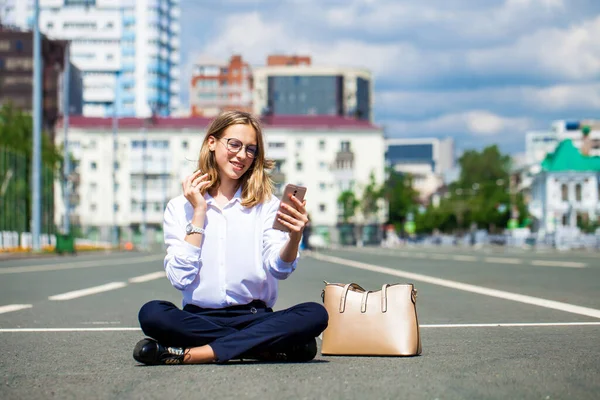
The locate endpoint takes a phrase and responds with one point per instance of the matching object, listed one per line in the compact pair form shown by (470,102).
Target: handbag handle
(384,297)
(345,293)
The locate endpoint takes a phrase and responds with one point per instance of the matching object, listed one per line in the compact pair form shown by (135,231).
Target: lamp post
(67,159)
(115,130)
(36,161)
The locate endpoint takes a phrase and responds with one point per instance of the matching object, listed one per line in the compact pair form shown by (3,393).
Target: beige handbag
(374,323)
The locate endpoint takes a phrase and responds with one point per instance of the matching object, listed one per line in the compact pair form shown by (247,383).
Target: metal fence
(15,193)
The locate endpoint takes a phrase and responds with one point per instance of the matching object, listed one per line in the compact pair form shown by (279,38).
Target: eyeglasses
(234,146)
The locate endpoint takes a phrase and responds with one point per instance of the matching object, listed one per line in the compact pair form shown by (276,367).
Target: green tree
(402,198)
(16,142)
(371,196)
(347,199)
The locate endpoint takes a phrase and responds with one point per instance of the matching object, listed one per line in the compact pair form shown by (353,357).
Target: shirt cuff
(188,251)
(284,266)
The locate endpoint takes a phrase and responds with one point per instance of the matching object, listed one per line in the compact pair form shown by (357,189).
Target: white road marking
(14,307)
(502,260)
(86,292)
(516,324)
(498,325)
(464,258)
(556,305)
(549,263)
(69,329)
(80,264)
(147,277)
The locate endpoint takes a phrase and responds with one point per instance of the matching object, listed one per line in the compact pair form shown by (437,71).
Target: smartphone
(298,192)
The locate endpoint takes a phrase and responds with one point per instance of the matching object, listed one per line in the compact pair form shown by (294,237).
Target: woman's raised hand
(191,190)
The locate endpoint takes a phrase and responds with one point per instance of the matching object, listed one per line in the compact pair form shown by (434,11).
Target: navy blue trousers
(233,331)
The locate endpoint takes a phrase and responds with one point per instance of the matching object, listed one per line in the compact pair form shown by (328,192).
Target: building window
(184,144)
(564,192)
(299,166)
(565,220)
(116,165)
(93,165)
(322,207)
(345,146)
(92,207)
(578,192)
(322,186)
(50,25)
(322,165)
(93,186)
(321,144)
(299,144)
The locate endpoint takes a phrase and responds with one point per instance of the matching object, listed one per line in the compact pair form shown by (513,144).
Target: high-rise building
(310,90)
(218,86)
(127,50)
(16,76)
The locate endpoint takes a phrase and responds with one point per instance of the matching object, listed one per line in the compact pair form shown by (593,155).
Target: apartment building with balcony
(219,86)
(321,153)
(127,50)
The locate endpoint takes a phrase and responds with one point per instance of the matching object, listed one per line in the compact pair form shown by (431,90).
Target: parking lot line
(14,307)
(556,305)
(550,263)
(425,326)
(86,292)
(79,264)
(147,277)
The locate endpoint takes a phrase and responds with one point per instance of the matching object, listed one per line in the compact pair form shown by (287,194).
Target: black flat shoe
(297,353)
(150,352)
(302,352)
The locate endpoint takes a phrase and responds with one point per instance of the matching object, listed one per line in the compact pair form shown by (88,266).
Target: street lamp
(36,160)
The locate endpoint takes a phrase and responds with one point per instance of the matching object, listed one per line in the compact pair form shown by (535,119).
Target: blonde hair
(257,186)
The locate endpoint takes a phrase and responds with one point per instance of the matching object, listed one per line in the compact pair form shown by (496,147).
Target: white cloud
(484,69)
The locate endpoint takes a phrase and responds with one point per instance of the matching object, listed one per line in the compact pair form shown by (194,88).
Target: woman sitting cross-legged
(225,257)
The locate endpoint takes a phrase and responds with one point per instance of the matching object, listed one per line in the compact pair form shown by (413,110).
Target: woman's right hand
(191,190)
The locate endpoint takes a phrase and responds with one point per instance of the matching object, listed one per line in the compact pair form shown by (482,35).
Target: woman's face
(232,164)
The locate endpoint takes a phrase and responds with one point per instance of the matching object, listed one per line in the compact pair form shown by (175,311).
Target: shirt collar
(237,197)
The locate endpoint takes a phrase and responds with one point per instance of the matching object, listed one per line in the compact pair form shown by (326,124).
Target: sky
(481,71)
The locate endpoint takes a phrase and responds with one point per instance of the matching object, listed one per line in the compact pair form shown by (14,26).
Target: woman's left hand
(295,217)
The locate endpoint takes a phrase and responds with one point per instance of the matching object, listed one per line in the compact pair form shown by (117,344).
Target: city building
(427,160)
(275,60)
(301,89)
(320,153)
(565,193)
(219,86)
(538,144)
(127,50)
(16,76)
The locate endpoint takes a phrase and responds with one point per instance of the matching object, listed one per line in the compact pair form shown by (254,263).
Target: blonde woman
(225,258)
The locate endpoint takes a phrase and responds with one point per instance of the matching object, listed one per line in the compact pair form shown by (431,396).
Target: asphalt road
(495,325)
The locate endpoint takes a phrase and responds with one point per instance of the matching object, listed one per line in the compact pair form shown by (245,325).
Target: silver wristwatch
(189,229)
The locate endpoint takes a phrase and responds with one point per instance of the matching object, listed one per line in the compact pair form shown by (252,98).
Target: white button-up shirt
(238,260)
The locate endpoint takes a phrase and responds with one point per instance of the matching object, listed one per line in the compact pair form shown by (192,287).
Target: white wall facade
(127,50)
(172,154)
(558,198)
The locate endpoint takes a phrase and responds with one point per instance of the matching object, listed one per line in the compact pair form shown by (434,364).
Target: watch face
(188,228)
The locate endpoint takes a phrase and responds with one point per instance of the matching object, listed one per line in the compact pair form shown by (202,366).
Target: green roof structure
(567,157)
